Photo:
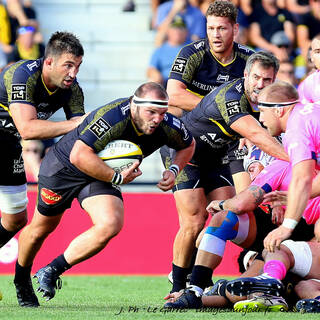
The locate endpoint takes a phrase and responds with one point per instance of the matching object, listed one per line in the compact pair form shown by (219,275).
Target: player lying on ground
(299,257)
(239,225)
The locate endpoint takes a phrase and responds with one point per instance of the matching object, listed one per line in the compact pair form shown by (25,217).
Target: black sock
(22,274)
(201,276)
(5,235)
(193,259)
(179,276)
(60,264)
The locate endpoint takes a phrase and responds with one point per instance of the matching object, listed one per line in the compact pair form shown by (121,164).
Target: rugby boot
(308,305)
(49,281)
(262,303)
(25,294)
(190,299)
(244,286)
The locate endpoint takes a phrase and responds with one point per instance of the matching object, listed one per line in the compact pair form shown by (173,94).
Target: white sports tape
(302,256)
(13,199)
(243,228)
(250,254)
(212,244)
(150,102)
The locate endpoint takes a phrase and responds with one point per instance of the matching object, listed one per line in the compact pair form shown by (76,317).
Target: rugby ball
(121,154)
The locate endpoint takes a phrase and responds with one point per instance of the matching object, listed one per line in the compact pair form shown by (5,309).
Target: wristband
(221,204)
(117,178)
(175,169)
(289,223)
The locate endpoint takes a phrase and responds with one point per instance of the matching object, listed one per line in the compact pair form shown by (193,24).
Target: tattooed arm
(243,202)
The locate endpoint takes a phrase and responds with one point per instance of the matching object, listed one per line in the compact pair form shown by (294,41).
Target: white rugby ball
(121,154)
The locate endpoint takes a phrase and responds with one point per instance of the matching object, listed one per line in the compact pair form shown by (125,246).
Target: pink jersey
(302,137)
(309,88)
(277,176)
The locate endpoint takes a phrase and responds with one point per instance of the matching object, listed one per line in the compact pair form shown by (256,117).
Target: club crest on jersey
(49,197)
(233,107)
(100,127)
(223,78)
(179,65)
(18,92)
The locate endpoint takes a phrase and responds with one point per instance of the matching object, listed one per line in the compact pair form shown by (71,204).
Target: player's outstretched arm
(248,127)
(243,202)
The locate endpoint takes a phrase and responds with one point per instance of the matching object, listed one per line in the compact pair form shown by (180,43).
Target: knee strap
(225,231)
(214,239)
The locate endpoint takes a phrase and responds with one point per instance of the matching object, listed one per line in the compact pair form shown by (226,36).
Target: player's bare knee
(108,228)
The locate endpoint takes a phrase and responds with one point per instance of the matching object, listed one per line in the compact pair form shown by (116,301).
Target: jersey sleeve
(232,103)
(305,90)
(20,86)
(178,136)
(75,106)
(300,139)
(272,176)
(101,128)
(186,63)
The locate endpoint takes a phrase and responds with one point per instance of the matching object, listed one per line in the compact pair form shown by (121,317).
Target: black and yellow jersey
(197,67)
(112,122)
(210,121)
(22,83)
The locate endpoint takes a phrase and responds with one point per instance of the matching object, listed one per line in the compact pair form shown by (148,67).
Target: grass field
(115,297)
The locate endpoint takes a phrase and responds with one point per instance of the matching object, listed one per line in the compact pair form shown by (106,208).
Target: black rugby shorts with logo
(59,185)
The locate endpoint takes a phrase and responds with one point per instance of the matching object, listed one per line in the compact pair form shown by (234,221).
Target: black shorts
(302,232)
(11,161)
(206,176)
(59,185)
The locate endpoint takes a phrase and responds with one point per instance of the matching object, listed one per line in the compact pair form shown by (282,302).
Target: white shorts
(13,199)
(302,256)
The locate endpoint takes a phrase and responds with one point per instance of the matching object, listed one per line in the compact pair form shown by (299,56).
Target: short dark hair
(266,59)
(220,8)
(147,87)
(63,42)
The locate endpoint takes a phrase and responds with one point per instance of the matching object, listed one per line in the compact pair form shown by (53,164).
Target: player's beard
(142,125)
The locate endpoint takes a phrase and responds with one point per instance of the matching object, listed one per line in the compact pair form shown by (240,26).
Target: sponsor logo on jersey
(265,208)
(44,115)
(233,107)
(199,45)
(239,154)
(240,46)
(223,78)
(203,86)
(176,122)
(179,65)
(6,124)
(49,197)
(18,92)
(185,132)
(100,127)
(239,87)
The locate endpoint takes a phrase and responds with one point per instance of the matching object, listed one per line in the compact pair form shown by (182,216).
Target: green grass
(103,297)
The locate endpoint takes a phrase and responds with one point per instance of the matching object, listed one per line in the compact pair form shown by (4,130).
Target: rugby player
(30,92)
(217,123)
(72,169)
